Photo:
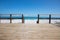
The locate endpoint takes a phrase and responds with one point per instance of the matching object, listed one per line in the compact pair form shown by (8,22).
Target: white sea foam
(28,21)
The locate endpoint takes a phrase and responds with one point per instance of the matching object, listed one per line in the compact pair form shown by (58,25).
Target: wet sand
(29,32)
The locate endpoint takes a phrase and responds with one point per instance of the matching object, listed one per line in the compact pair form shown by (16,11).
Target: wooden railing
(22,17)
(50,17)
(12,18)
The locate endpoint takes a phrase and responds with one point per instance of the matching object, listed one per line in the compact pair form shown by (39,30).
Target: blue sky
(30,7)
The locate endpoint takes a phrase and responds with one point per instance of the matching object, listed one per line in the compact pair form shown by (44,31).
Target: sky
(30,7)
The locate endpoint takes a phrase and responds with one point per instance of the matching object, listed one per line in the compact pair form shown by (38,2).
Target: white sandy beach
(29,32)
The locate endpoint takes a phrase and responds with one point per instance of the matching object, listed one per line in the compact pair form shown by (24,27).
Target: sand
(21,31)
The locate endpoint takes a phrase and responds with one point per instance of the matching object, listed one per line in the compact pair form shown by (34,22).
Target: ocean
(27,17)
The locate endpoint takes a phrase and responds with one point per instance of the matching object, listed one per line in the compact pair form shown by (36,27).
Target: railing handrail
(11,17)
(9,14)
(44,18)
(49,14)
(37,17)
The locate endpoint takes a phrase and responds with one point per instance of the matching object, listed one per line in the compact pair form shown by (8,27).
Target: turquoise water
(26,17)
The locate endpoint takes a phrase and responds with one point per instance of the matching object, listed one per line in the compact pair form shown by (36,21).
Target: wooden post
(10,18)
(49,18)
(38,19)
(22,18)
(0,18)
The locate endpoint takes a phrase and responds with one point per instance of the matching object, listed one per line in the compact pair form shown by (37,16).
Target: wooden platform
(29,32)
